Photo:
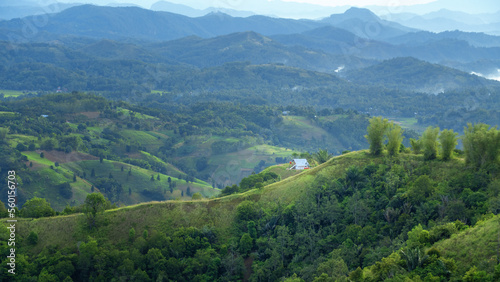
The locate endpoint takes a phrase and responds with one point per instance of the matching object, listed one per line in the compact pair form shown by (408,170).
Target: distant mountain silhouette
(192,12)
(366,24)
(133,22)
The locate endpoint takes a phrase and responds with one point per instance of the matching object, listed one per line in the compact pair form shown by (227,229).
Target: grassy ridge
(476,246)
(168,215)
(11,93)
(138,181)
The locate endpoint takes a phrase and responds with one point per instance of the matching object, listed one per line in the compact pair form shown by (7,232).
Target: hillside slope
(353,211)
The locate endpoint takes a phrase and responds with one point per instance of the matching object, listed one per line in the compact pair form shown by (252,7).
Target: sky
(296,8)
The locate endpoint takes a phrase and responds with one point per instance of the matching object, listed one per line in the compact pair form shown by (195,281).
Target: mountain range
(352,40)
(445,20)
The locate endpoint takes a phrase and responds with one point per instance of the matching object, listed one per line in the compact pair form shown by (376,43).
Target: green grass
(34,156)
(282,170)
(19,138)
(473,247)
(476,246)
(44,186)
(47,177)
(140,179)
(219,212)
(158,91)
(303,128)
(11,93)
(408,123)
(126,113)
(168,215)
(3,113)
(234,166)
(144,138)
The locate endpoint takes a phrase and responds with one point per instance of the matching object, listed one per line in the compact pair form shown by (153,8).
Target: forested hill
(410,73)
(79,143)
(365,216)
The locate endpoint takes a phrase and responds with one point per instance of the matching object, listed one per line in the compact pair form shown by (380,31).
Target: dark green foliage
(411,73)
(32,238)
(321,156)
(257,180)
(109,186)
(430,143)
(65,190)
(94,204)
(421,189)
(375,134)
(21,147)
(395,139)
(448,140)
(245,245)
(481,145)
(246,211)
(228,190)
(36,207)
(374,214)
(201,163)
(3,134)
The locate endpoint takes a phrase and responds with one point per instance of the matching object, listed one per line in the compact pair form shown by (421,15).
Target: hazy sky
(260,6)
(236,3)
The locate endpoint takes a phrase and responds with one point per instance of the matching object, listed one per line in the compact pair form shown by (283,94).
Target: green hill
(205,146)
(354,211)
(417,75)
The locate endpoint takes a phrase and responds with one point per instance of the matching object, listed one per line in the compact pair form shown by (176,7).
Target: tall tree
(3,134)
(416,145)
(375,134)
(448,140)
(481,144)
(430,142)
(94,204)
(395,138)
(322,156)
(37,207)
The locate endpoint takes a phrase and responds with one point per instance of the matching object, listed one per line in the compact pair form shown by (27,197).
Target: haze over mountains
(346,41)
